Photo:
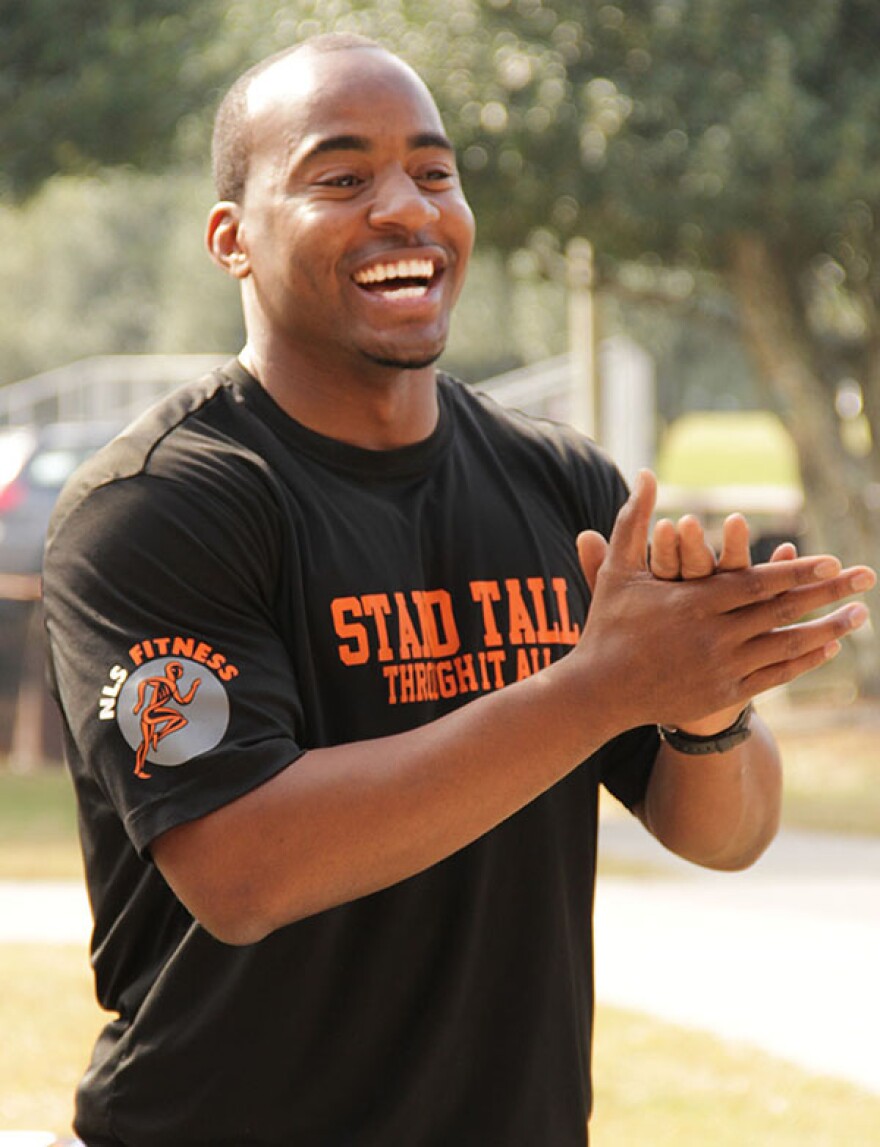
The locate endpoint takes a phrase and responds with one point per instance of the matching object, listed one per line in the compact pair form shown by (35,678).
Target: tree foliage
(90,83)
(110,264)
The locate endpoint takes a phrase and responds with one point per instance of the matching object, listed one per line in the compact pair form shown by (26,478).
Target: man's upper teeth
(402,269)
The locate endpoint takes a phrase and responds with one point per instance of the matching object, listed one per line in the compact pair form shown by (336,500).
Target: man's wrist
(697,744)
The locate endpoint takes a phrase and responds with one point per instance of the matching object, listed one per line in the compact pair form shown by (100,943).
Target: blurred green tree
(90,83)
(110,264)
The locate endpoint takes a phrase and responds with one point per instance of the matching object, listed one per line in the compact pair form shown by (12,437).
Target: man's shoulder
(514,426)
(164,426)
(189,437)
(543,458)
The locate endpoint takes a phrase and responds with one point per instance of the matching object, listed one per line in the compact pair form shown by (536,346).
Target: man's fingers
(795,604)
(784,654)
(697,556)
(784,672)
(665,560)
(592,550)
(735,553)
(784,552)
(739,588)
(629,538)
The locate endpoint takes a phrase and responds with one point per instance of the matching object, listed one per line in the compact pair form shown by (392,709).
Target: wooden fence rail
(34,736)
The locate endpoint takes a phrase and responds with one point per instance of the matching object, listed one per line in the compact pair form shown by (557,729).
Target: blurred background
(678,251)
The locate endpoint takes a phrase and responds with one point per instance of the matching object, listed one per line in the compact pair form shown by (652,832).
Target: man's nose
(400,202)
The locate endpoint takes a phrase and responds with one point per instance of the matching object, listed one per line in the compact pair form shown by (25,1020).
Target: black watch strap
(721,742)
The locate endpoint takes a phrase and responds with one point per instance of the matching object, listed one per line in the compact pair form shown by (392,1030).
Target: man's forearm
(720,810)
(348,820)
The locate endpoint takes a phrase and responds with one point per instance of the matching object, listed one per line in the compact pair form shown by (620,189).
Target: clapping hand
(700,636)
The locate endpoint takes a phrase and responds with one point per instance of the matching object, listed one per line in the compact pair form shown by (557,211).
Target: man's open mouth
(400,279)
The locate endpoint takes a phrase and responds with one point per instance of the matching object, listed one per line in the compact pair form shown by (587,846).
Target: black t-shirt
(225,590)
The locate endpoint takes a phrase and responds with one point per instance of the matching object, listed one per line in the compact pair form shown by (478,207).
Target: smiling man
(342,896)
(350,235)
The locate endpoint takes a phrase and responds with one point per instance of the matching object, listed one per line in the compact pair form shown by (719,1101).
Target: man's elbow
(235,928)
(216,892)
(737,856)
(226,913)
(731,852)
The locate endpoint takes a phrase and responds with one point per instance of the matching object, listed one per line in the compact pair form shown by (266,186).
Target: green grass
(49,1020)
(717,448)
(832,777)
(662,1086)
(38,838)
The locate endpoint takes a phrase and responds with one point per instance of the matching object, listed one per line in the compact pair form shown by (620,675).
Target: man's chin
(403,362)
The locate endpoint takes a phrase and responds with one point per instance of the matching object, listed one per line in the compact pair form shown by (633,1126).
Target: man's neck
(375,407)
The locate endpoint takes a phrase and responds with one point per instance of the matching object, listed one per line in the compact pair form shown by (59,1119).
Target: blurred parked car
(35,462)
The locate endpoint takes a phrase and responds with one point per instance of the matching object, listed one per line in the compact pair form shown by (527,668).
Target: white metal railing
(119,387)
(543,389)
(107,387)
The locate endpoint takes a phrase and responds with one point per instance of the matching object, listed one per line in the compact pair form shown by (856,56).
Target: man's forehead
(289,79)
(308,84)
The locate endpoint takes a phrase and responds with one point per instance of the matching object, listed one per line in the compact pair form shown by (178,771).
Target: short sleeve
(625,764)
(177,692)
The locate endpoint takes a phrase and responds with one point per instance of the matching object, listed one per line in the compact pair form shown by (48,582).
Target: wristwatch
(721,742)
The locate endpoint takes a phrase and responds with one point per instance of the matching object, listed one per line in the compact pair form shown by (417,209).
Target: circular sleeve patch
(171,710)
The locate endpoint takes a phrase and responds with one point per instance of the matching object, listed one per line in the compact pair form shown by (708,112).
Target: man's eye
(438,175)
(343,181)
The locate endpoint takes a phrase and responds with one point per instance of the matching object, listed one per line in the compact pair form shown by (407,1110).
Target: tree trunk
(837,516)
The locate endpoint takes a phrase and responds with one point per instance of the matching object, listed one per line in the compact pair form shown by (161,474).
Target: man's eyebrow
(362,143)
(337,143)
(430,139)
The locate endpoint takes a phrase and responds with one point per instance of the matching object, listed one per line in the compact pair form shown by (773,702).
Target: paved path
(49,912)
(785,956)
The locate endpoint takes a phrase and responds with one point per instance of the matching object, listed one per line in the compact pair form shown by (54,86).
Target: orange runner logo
(158,715)
(170,710)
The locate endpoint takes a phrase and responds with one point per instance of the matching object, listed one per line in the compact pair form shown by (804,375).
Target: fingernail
(857,615)
(832,649)
(862,581)
(829,567)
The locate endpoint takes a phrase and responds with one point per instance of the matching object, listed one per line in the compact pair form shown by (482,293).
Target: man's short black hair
(231,144)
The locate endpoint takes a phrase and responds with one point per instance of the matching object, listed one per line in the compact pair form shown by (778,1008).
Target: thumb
(629,538)
(592,549)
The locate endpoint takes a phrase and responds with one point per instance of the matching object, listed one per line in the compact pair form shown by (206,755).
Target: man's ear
(223,239)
